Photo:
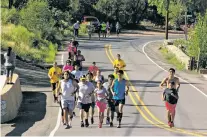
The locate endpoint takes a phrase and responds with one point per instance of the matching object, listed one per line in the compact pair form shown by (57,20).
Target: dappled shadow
(29,113)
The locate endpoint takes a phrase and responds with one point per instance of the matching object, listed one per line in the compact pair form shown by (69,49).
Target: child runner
(93,104)
(110,106)
(101,95)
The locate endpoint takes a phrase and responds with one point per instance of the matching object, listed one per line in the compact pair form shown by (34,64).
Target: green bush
(83,29)
(171,58)
(9,16)
(21,40)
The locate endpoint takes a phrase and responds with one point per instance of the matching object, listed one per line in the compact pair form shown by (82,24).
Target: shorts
(170,107)
(69,104)
(85,107)
(121,101)
(111,104)
(9,71)
(93,104)
(101,105)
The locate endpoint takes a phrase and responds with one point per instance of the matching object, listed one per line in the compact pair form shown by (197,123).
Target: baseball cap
(83,77)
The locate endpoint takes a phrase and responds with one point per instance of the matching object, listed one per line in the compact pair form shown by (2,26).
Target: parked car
(94,20)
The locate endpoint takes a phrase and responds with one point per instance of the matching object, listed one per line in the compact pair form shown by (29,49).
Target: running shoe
(100,125)
(67,127)
(107,120)
(119,126)
(82,124)
(92,120)
(86,123)
(170,124)
(111,124)
(74,114)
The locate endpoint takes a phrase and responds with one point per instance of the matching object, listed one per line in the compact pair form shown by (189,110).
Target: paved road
(144,110)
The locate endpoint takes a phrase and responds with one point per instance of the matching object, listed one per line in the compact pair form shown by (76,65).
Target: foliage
(20,39)
(9,16)
(176,9)
(197,39)
(171,58)
(129,12)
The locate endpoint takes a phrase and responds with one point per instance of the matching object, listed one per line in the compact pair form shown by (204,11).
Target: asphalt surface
(144,112)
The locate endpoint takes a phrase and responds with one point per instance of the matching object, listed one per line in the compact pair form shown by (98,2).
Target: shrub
(10,16)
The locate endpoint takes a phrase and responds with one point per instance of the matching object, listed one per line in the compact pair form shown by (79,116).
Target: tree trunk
(10,4)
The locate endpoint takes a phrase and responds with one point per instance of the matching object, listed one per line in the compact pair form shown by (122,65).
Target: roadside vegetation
(35,29)
(171,58)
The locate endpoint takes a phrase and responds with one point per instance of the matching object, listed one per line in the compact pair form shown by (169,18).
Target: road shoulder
(152,50)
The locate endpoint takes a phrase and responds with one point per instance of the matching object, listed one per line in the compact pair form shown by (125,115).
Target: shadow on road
(32,109)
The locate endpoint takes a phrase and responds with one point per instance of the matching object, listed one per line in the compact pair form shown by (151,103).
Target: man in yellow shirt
(54,74)
(119,63)
(116,69)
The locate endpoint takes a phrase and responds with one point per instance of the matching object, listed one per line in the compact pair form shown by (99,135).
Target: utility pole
(198,62)
(167,19)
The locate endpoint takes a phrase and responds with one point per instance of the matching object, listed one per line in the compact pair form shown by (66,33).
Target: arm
(58,89)
(49,74)
(162,83)
(127,86)
(124,64)
(83,58)
(178,84)
(114,63)
(75,84)
(112,88)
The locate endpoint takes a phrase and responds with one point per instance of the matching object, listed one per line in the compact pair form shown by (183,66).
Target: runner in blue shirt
(119,88)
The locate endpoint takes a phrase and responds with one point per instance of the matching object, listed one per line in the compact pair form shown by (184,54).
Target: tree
(197,44)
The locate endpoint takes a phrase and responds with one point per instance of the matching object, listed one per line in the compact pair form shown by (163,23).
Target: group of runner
(72,87)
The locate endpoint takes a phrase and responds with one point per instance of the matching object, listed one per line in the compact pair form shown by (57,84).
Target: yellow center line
(164,126)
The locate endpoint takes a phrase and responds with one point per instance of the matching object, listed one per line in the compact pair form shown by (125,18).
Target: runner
(167,81)
(80,58)
(119,63)
(86,89)
(99,77)
(75,43)
(68,66)
(93,104)
(76,27)
(99,30)
(103,29)
(77,73)
(170,78)
(54,75)
(93,69)
(170,96)
(118,89)
(108,28)
(101,95)
(67,88)
(116,69)
(72,49)
(110,106)
(76,62)
(117,28)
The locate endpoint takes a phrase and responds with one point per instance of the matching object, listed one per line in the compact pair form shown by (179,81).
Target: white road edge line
(52,133)
(143,49)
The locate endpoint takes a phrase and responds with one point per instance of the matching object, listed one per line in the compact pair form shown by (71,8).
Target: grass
(20,39)
(171,58)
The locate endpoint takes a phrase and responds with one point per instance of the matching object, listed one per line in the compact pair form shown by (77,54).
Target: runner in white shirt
(99,77)
(67,88)
(77,73)
(86,89)
(76,27)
